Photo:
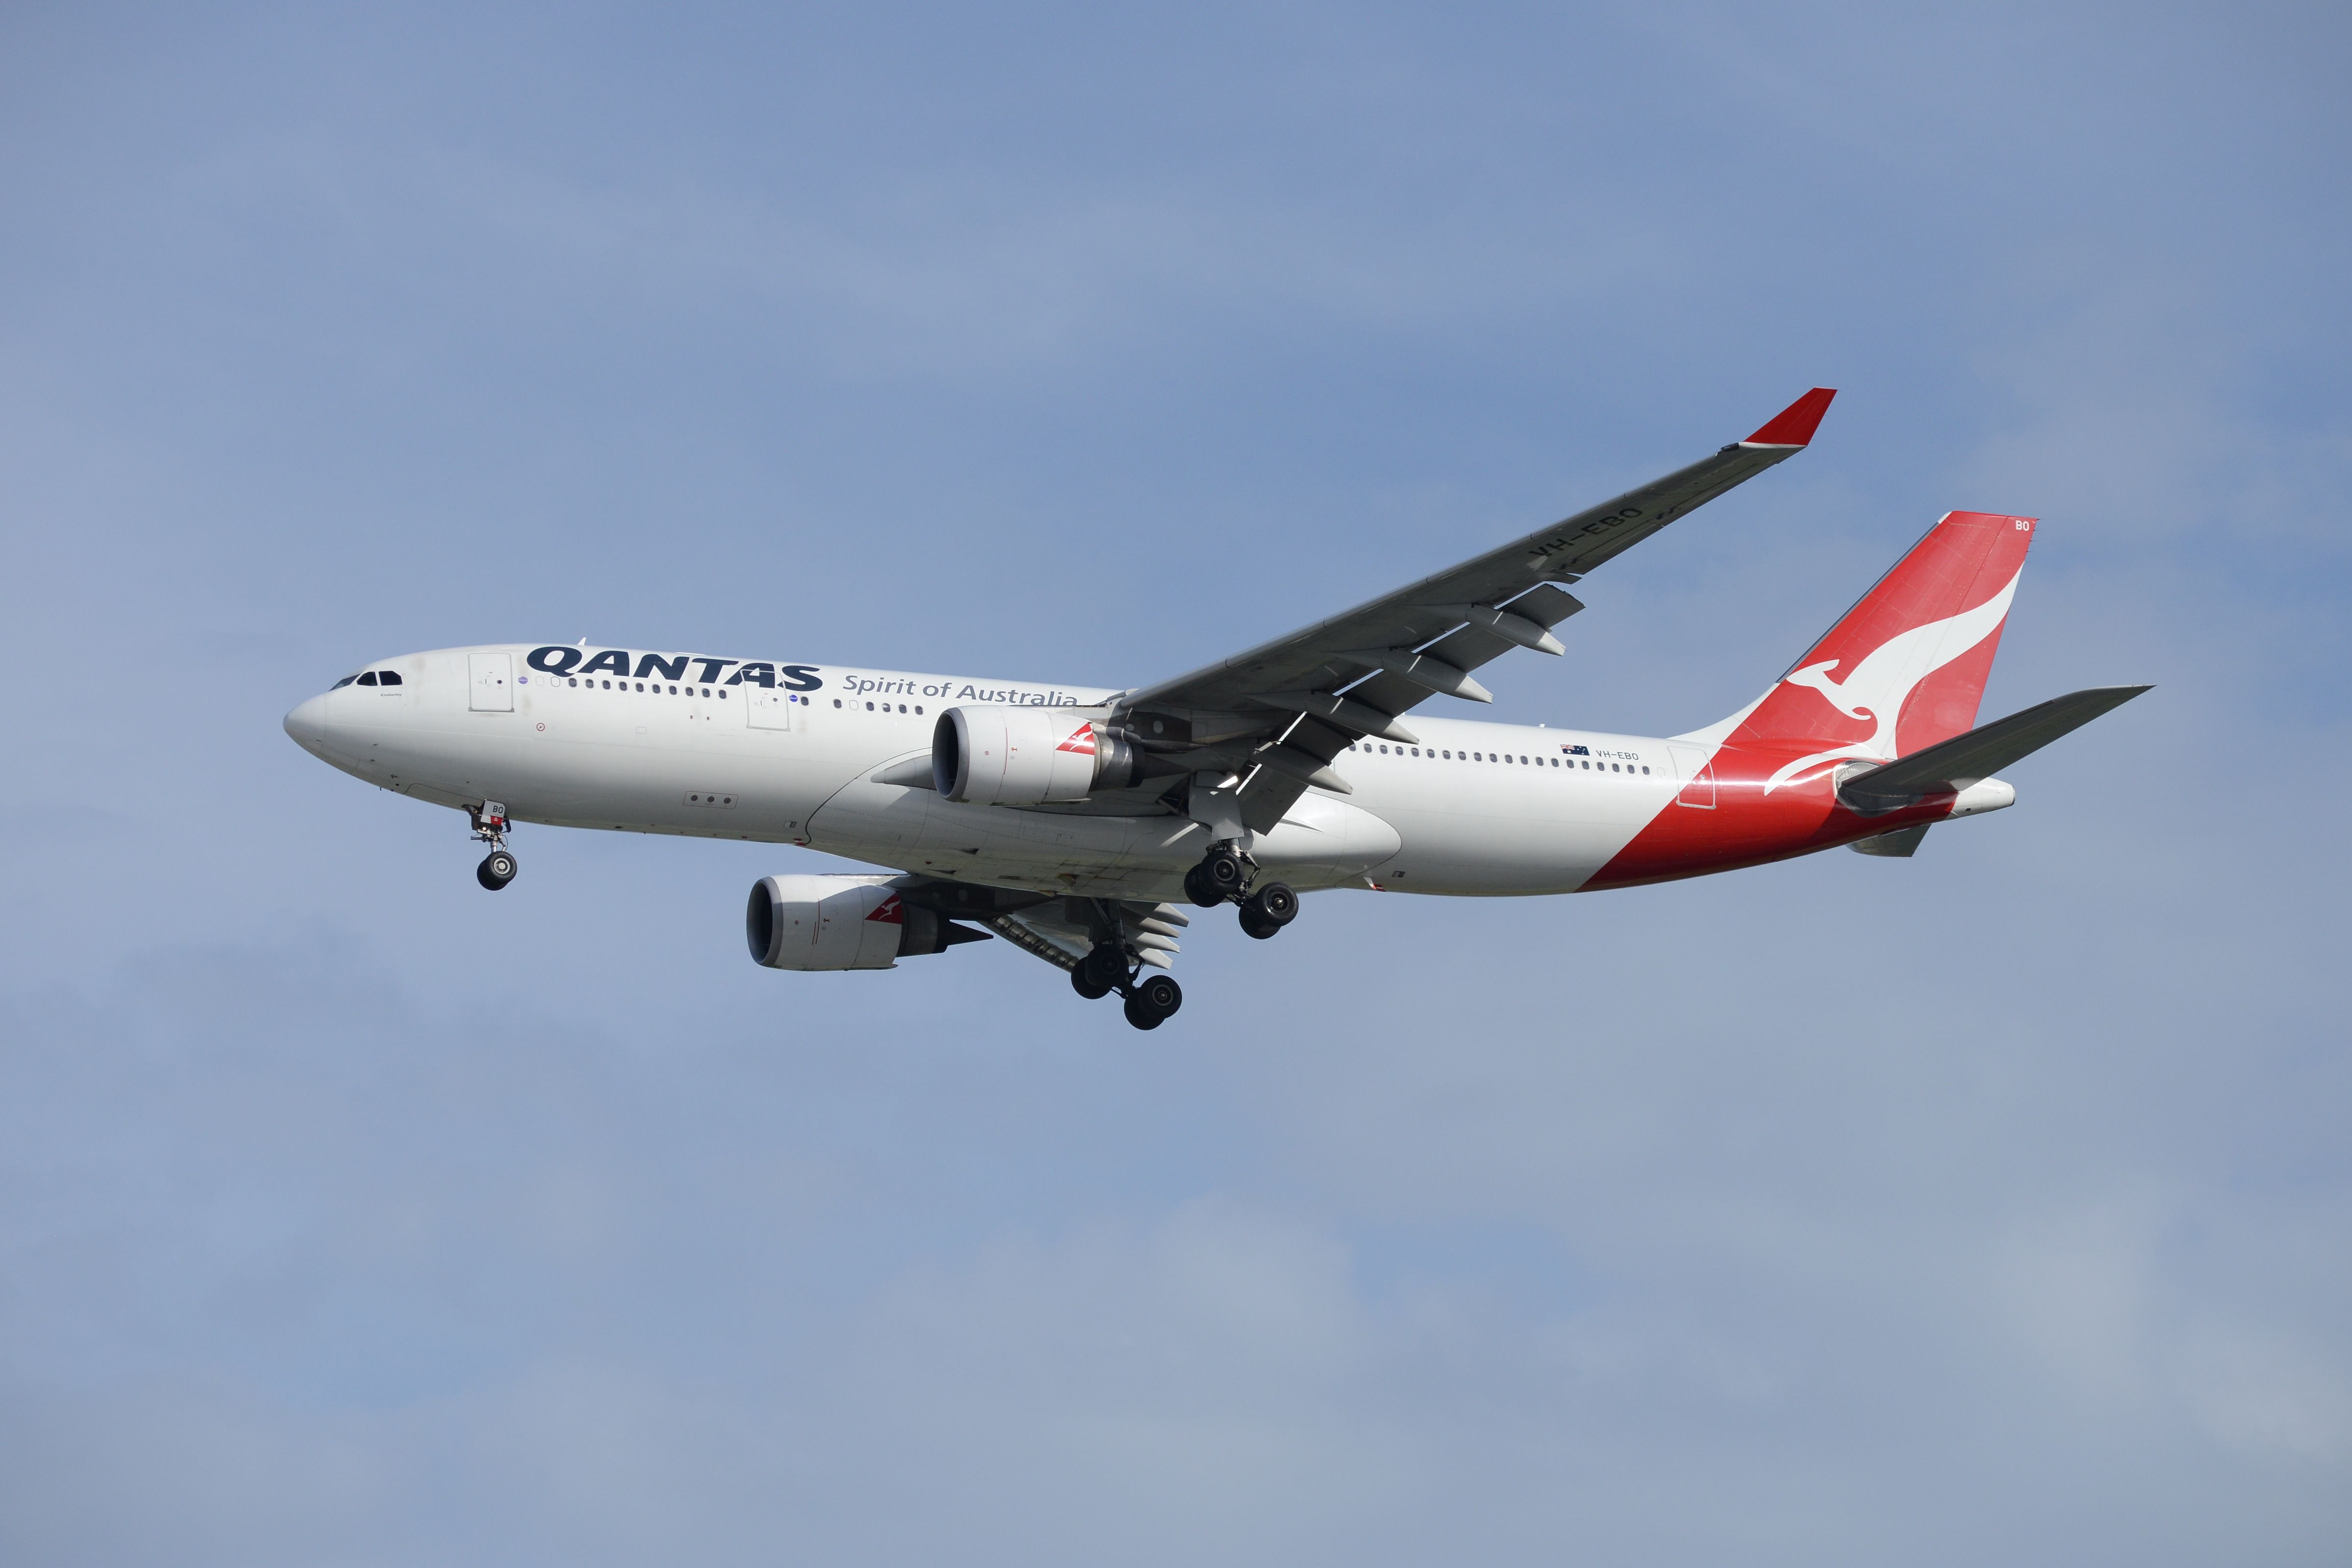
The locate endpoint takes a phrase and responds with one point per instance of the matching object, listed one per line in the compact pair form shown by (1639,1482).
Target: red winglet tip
(1794,425)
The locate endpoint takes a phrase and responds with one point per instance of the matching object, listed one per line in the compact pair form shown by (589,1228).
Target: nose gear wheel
(498,867)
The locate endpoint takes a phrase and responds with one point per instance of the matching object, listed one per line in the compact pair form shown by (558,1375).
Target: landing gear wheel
(1158,995)
(1141,1016)
(497,869)
(1267,911)
(1219,876)
(1101,972)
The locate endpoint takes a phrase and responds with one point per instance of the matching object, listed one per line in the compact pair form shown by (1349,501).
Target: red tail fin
(1906,667)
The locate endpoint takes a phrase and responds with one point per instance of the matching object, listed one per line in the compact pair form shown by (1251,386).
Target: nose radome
(308,723)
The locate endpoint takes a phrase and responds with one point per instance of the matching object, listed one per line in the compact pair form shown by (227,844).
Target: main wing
(1272,720)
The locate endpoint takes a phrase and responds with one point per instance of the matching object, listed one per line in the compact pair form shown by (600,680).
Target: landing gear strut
(498,867)
(1150,1002)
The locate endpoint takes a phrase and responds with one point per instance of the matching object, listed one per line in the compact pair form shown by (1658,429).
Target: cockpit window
(344,681)
(368,679)
(390,678)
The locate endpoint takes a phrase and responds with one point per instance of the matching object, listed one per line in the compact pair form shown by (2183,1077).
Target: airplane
(1079,823)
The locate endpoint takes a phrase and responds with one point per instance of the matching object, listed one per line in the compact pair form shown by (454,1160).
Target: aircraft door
(1693,766)
(769,708)
(492,688)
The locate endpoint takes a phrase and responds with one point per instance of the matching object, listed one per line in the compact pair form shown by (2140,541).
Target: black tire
(497,869)
(1257,925)
(1198,890)
(1082,982)
(1158,994)
(1105,964)
(1141,1016)
(1275,904)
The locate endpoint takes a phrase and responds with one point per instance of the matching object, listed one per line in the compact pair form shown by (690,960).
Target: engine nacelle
(1026,756)
(842,923)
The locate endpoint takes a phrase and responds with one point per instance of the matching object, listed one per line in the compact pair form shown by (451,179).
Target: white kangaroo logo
(1877,687)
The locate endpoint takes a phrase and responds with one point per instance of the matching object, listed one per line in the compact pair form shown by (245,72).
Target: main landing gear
(1224,876)
(499,867)
(1152,1000)
(1268,909)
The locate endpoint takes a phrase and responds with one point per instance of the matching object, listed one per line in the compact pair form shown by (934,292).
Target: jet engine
(1026,756)
(842,923)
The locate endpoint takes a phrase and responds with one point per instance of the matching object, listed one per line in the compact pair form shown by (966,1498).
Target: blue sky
(1986,1205)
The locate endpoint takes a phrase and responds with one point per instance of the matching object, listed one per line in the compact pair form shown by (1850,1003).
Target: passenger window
(836,702)
(368,679)
(919,710)
(673,691)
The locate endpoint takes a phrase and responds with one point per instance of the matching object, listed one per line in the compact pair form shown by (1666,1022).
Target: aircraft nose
(308,723)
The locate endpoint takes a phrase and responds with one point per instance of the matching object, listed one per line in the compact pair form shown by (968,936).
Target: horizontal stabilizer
(1950,766)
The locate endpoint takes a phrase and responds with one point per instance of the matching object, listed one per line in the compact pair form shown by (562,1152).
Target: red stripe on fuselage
(1750,826)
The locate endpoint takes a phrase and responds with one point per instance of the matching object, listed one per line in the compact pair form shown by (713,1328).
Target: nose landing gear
(499,867)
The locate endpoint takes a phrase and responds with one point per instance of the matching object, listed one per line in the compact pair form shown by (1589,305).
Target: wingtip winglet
(1794,425)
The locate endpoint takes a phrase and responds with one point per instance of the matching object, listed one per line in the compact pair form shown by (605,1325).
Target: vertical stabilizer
(1904,667)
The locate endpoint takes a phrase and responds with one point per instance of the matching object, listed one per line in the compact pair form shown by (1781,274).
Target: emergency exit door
(493,682)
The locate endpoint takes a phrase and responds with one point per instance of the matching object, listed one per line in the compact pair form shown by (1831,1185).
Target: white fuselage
(1475,809)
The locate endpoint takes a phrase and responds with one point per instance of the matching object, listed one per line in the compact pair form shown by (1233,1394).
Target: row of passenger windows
(372,678)
(1435,754)
(391,680)
(575,680)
